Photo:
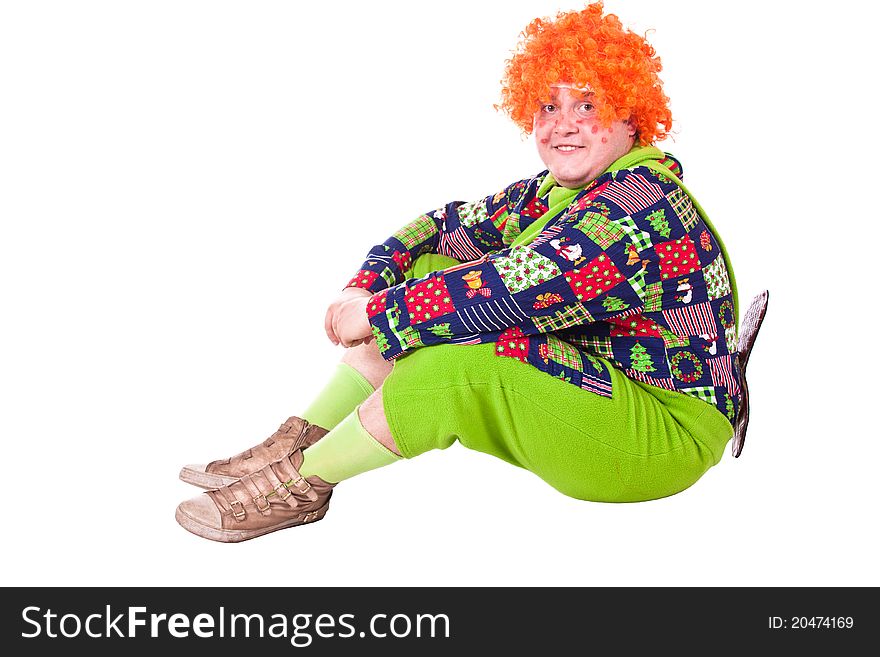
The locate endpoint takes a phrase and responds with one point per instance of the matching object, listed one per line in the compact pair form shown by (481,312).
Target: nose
(566,123)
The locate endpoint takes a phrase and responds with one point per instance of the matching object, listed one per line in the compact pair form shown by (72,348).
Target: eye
(585,108)
(548,108)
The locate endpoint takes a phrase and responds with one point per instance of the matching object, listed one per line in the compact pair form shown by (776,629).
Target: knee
(367,360)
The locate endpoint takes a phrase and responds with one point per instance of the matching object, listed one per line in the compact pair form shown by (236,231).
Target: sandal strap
(257,496)
(293,480)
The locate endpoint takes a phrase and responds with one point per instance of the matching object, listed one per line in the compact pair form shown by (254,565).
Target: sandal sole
(239,535)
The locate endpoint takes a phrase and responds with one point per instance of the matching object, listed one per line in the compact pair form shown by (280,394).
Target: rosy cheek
(541,124)
(595,129)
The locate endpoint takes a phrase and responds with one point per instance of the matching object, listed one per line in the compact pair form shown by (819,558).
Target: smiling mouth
(566,148)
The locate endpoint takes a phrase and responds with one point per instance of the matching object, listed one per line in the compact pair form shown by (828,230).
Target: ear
(632,131)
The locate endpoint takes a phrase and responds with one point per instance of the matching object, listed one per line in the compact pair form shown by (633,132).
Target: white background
(184,186)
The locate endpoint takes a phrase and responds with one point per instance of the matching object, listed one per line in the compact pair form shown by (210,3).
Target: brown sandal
(752,321)
(274,497)
(294,433)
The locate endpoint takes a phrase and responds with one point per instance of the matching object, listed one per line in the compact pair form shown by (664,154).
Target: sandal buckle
(240,513)
(277,490)
(262,509)
(295,484)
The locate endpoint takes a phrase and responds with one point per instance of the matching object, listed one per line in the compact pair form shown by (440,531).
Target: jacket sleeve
(464,231)
(588,265)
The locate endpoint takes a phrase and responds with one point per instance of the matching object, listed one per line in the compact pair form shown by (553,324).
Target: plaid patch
(388,276)
(525,268)
(653,297)
(684,208)
(416,232)
(410,338)
(670,339)
(639,237)
(470,214)
(705,393)
(600,346)
(563,353)
(717,280)
(511,228)
(600,229)
(637,283)
(572,315)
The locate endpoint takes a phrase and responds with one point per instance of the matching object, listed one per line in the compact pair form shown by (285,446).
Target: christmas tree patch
(640,359)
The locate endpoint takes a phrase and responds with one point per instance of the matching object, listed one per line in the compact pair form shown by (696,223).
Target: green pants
(643,443)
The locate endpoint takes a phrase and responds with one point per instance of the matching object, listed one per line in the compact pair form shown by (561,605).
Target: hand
(346,321)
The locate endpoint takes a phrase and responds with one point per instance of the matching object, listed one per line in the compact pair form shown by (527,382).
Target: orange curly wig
(585,48)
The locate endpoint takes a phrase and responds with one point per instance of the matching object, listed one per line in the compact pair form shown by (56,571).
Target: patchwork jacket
(627,275)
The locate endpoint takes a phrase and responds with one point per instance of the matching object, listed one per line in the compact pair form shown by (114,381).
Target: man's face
(572,143)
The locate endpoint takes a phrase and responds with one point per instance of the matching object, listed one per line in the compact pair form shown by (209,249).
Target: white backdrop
(185,185)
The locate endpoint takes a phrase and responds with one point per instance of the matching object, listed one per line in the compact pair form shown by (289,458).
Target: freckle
(545,141)
(604,140)
(610,129)
(579,121)
(595,129)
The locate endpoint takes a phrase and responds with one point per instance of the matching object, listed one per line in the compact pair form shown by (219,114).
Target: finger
(338,332)
(328,326)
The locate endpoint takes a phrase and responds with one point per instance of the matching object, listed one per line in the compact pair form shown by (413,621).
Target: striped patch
(546,235)
(691,320)
(633,193)
(457,244)
(721,370)
(595,384)
(489,316)
(667,383)
(471,338)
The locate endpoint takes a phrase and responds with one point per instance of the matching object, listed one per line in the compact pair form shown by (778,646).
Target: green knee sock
(344,391)
(346,451)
